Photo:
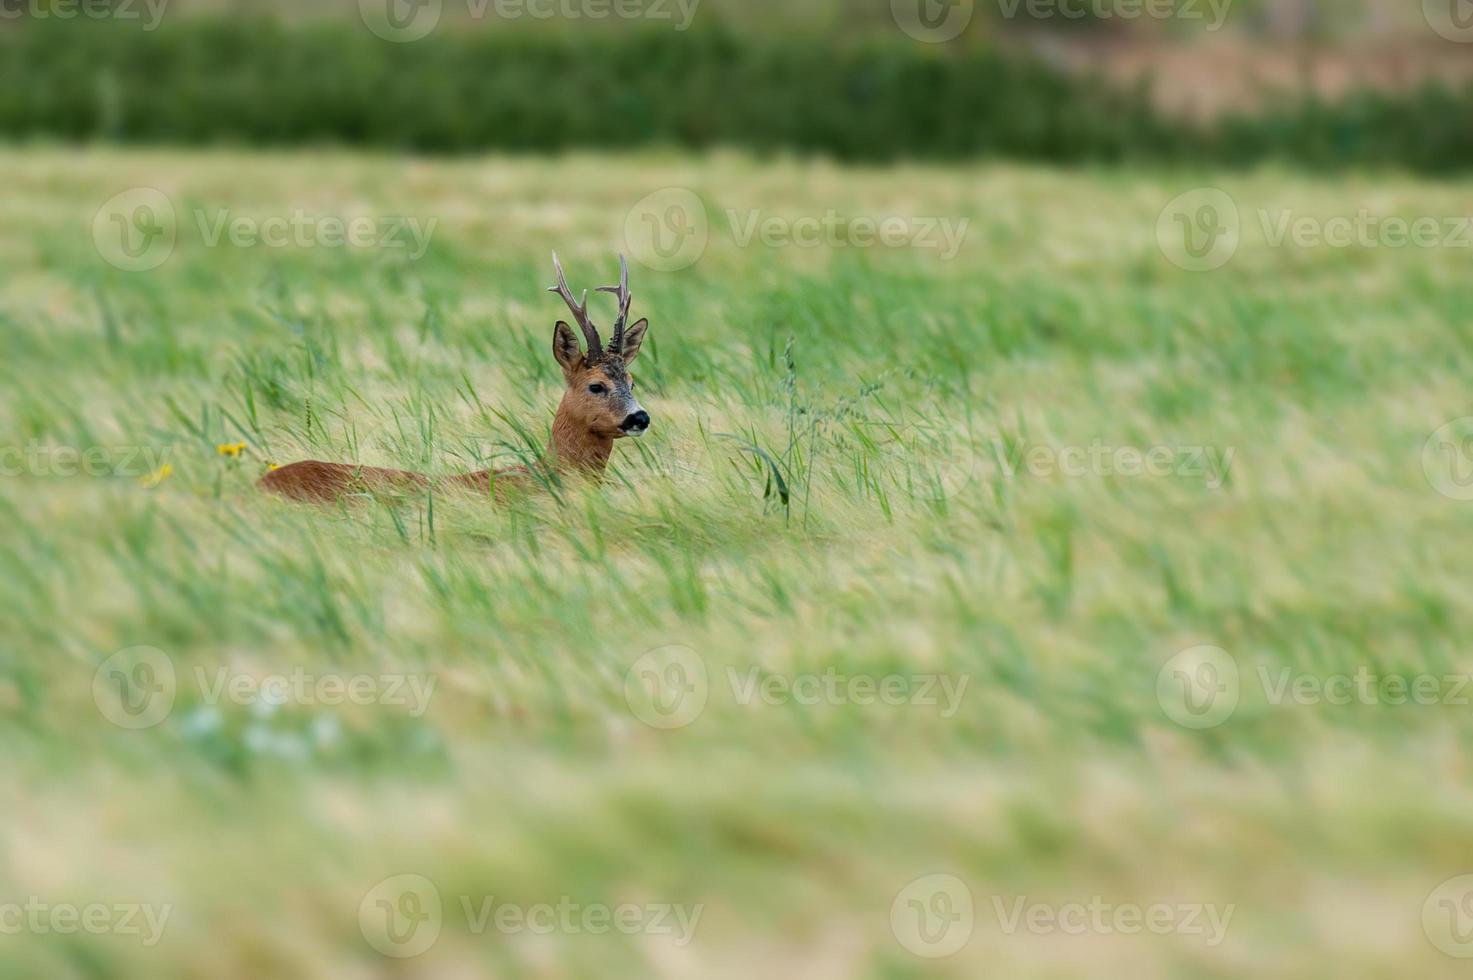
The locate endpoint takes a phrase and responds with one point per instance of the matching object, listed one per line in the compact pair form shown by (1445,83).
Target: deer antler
(580,312)
(625,298)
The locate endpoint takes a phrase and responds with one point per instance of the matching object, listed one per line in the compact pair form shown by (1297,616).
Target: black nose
(639,420)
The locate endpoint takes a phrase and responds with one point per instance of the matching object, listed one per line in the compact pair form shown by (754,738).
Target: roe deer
(597,408)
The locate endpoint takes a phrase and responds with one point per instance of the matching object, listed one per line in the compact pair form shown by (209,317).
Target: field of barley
(1030,602)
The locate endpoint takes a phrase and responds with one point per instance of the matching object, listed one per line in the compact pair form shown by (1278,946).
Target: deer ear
(633,338)
(565,347)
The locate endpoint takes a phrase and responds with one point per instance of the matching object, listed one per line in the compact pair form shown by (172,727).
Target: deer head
(599,404)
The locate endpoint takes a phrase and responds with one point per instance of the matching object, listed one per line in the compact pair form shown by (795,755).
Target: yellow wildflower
(157,476)
(230,448)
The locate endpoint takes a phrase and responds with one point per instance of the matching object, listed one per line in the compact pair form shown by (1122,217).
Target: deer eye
(598,389)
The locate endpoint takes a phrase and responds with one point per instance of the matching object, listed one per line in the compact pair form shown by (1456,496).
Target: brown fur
(314,481)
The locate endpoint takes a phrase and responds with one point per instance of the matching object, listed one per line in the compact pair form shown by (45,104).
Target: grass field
(953,518)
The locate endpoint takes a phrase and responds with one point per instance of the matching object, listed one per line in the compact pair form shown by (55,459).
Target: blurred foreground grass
(898,396)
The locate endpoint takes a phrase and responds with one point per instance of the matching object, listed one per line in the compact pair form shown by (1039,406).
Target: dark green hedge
(260,82)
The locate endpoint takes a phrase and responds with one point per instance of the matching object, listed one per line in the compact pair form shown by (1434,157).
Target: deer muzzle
(636,424)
